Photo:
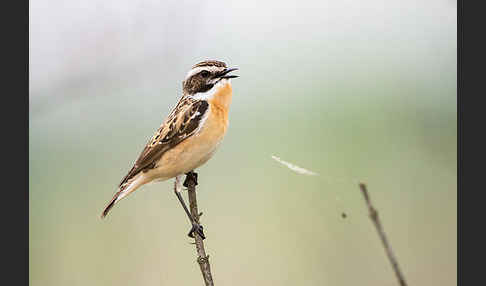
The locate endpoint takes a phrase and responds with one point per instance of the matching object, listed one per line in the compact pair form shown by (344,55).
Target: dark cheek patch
(196,84)
(206,88)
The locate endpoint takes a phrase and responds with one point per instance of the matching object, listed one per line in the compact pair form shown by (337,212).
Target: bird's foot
(190,176)
(196,228)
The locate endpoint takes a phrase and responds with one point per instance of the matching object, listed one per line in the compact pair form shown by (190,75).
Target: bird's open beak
(225,74)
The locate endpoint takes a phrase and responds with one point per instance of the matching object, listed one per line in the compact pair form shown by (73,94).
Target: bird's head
(205,76)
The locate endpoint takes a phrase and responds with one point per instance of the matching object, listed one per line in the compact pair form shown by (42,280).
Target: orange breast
(222,98)
(196,150)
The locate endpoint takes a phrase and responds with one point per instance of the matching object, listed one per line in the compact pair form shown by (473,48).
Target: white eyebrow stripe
(199,69)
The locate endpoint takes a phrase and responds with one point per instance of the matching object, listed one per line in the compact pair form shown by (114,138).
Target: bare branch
(379,228)
(202,258)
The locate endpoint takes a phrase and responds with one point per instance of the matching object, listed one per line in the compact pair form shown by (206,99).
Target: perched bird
(188,137)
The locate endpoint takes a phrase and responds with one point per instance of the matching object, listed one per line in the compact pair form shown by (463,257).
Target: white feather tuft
(293,167)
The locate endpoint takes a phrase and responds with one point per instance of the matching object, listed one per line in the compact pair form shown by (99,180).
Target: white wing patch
(202,121)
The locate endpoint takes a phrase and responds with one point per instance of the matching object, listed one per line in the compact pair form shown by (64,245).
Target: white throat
(207,95)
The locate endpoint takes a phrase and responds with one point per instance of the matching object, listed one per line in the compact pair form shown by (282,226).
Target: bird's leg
(196,227)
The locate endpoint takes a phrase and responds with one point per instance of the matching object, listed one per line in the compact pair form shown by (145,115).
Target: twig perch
(202,258)
(379,228)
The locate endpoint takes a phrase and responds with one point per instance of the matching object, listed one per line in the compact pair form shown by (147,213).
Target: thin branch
(379,228)
(202,258)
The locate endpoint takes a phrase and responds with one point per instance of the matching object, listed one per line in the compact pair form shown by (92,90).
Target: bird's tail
(123,191)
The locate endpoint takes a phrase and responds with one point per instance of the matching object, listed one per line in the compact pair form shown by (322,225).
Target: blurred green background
(353,90)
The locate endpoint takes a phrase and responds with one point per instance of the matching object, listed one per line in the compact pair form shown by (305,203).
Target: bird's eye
(205,73)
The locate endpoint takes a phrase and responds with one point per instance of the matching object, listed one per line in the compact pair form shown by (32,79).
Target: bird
(188,137)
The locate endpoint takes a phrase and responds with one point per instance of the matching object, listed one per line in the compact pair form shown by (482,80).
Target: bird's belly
(192,152)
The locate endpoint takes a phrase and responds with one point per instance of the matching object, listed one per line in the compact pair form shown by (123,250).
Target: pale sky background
(72,40)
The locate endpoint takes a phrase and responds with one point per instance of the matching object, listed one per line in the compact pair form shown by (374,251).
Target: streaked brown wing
(181,123)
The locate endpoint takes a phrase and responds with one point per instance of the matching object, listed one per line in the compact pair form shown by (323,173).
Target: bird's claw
(190,176)
(196,228)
